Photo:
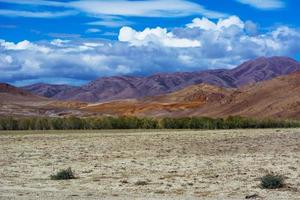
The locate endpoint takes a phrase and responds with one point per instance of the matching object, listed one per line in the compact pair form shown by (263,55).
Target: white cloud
(203,23)
(5,61)
(24,45)
(206,24)
(284,31)
(93,44)
(59,42)
(95,61)
(230,21)
(122,69)
(251,27)
(140,8)
(64,35)
(186,59)
(30,14)
(93,30)
(219,44)
(264,4)
(110,23)
(157,35)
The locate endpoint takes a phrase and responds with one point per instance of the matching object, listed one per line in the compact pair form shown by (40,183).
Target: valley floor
(217,164)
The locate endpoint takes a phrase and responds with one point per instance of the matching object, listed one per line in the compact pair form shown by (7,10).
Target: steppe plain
(149,164)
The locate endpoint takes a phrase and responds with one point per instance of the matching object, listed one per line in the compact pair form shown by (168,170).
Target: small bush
(63,174)
(141,183)
(271,181)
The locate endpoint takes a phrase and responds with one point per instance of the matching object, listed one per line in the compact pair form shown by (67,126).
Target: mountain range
(123,87)
(264,87)
(276,98)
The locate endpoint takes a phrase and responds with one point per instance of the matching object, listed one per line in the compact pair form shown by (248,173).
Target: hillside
(262,69)
(48,90)
(279,98)
(124,87)
(18,102)
(9,94)
(171,104)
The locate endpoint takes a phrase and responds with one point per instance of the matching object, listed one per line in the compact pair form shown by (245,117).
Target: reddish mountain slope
(171,104)
(278,98)
(6,88)
(17,102)
(9,93)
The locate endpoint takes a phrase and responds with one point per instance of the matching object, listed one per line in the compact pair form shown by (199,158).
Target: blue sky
(75,41)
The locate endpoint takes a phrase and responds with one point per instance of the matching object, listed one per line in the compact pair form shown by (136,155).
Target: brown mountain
(124,87)
(172,104)
(9,93)
(262,69)
(15,101)
(279,98)
(18,102)
(48,90)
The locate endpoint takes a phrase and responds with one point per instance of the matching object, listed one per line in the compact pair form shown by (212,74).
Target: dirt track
(149,164)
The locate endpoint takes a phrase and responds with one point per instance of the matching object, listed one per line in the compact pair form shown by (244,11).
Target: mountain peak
(263,68)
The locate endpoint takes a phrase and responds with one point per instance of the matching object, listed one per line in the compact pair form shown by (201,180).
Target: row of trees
(232,122)
(75,123)
(72,123)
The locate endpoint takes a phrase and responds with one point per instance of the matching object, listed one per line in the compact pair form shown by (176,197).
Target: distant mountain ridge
(10,94)
(124,87)
(262,69)
(48,90)
(18,102)
(7,88)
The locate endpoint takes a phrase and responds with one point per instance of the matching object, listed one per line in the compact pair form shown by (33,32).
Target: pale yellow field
(221,164)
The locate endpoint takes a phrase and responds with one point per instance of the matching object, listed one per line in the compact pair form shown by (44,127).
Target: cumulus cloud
(23,45)
(5,61)
(207,25)
(201,44)
(158,36)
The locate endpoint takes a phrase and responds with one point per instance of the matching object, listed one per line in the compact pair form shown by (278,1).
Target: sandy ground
(221,164)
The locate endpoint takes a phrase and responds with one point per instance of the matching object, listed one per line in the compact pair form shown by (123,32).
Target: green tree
(73,123)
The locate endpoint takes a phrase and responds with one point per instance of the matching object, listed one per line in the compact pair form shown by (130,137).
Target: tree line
(75,123)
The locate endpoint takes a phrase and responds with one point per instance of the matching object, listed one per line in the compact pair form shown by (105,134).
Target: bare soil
(217,164)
